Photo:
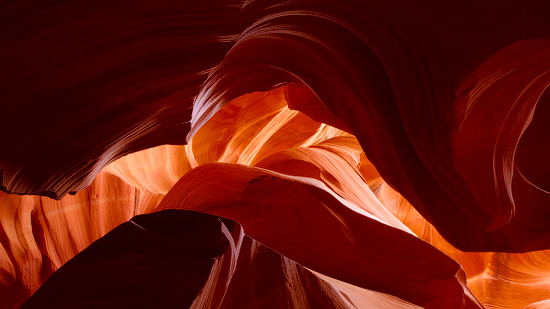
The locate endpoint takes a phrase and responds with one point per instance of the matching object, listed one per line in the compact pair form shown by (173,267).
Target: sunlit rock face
(258,154)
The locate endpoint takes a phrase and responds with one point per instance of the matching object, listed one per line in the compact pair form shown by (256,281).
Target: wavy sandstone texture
(267,154)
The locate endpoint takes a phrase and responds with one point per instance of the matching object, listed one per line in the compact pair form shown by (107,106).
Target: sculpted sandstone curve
(425,123)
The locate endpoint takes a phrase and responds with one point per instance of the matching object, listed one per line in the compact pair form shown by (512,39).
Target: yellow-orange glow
(258,130)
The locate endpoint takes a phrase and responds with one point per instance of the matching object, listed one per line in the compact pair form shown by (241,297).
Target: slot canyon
(275,154)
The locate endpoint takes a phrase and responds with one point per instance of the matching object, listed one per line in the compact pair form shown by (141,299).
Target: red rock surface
(367,154)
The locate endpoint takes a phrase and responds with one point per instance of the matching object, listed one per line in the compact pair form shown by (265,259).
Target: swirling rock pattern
(369,153)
